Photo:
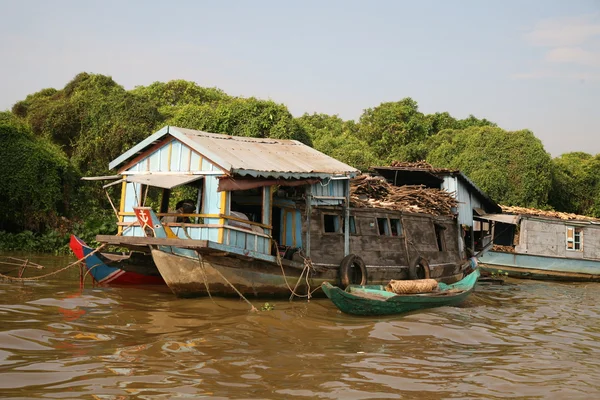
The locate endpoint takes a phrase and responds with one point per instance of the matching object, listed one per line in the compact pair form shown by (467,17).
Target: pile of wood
(376,192)
(420,165)
(504,249)
(544,213)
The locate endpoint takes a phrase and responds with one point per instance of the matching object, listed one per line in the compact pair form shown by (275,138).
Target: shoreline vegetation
(53,137)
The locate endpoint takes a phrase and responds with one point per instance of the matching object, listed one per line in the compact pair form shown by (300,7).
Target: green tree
(512,167)
(241,117)
(390,126)
(36,177)
(338,139)
(576,183)
(93,119)
(178,93)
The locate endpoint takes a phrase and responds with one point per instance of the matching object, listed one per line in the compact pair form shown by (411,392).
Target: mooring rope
(252,308)
(35,278)
(204,277)
(307,267)
(89,271)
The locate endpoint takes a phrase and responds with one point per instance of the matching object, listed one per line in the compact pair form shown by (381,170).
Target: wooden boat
(274,217)
(117,268)
(543,245)
(375,300)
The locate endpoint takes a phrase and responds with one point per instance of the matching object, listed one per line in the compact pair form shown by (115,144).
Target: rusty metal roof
(248,156)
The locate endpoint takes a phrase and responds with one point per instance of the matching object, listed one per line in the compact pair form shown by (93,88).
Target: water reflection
(526,340)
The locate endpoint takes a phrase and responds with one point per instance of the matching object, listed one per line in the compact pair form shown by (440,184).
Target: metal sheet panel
(466,201)
(504,218)
(331,188)
(166,181)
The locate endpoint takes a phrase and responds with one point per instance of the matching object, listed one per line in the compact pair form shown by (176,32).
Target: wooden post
(347,218)
(308,193)
(266,213)
(199,200)
(461,241)
(472,230)
(81,275)
(122,204)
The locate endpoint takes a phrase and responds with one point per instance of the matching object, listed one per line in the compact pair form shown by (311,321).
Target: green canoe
(375,300)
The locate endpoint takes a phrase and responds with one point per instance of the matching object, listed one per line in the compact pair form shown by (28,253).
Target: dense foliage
(511,167)
(241,117)
(36,176)
(576,184)
(53,137)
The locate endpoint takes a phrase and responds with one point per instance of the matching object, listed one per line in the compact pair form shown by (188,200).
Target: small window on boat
(383,226)
(396,227)
(439,236)
(574,238)
(331,223)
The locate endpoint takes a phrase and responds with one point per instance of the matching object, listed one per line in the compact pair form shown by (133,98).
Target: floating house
(268,217)
(546,245)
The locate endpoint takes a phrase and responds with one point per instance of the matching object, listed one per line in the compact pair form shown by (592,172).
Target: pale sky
(531,64)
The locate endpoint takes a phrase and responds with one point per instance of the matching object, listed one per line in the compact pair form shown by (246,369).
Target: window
(331,223)
(396,227)
(574,238)
(389,227)
(383,226)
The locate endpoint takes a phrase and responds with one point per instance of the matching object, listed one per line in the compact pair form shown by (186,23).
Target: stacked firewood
(373,191)
(545,213)
(420,165)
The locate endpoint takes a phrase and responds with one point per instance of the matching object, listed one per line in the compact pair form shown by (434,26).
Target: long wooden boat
(270,217)
(375,300)
(540,267)
(202,267)
(116,268)
(542,245)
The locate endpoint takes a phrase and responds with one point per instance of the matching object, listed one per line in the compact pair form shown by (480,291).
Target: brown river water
(523,339)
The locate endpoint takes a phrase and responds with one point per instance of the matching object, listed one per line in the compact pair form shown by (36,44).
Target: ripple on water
(524,340)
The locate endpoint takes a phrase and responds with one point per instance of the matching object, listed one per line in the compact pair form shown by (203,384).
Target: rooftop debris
(376,192)
(421,165)
(544,213)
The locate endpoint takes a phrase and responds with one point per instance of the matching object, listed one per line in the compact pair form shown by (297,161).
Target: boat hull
(529,266)
(193,275)
(117,269)
(373,300)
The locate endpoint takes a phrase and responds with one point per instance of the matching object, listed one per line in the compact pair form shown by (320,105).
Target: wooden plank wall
(384,250)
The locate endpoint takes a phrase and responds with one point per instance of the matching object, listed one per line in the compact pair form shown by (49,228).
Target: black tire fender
(348,271)
(417,264)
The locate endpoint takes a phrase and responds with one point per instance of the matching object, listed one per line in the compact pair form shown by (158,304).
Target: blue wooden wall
(329,188)
(174,156)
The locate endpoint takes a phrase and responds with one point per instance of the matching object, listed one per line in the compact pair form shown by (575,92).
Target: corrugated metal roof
(251,156)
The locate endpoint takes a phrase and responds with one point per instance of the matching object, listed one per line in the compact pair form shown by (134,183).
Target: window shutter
(570,238)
